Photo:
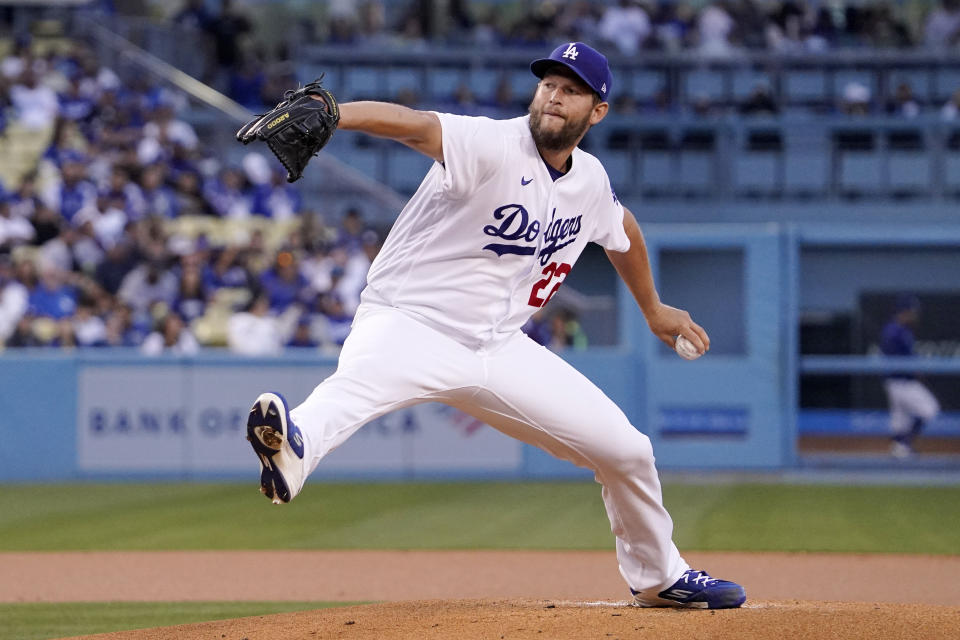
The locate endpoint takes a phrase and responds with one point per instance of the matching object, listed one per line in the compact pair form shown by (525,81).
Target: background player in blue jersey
(912,404)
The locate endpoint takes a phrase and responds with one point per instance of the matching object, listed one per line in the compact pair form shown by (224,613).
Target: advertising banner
(191,419)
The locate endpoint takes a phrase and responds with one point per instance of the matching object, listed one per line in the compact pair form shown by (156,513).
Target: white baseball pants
(391,360)
(909,399)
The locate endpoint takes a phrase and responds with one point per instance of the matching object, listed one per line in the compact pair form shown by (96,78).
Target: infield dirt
(510,595)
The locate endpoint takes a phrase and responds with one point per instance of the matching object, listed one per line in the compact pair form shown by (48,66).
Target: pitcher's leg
(533,395)
(389,361)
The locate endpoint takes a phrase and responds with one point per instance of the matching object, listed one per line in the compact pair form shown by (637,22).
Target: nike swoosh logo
(524,182)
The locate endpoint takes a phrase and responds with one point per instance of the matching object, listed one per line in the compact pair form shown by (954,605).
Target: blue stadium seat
(948,81)
(696,174)
(755,173)
(909,173)
(619,166)
(655,167)
(756,166)
(745,80)
(859,173)
(523,84)
(332,80)
(484,82)
(401,78)
(804,87)
(908,163)
(643,84)
(951,170)
(656,173)
(442,82)
(363,82)
(806,173)
(406,168)
(364,159)
(703,82)
(919,81)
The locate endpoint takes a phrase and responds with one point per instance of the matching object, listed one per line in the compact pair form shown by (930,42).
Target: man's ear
(599,113)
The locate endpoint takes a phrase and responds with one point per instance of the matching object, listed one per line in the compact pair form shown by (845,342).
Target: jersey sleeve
(609,232)
(472,149)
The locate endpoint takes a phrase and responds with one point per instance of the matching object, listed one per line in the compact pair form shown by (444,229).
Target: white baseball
(686,349)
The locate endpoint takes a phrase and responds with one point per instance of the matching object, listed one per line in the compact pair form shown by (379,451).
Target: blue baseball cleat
(695,590)
(278,444)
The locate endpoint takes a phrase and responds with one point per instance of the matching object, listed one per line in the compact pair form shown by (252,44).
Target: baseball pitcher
(490,235)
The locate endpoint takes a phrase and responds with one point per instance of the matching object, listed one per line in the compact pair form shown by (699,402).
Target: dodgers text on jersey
(515,226)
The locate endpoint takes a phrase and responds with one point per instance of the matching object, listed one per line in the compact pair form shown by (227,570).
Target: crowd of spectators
(716,27)
(92,249)
(254,73)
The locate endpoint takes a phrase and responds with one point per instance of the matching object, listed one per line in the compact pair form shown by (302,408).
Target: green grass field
(561,515)
(39,621)
(734,517)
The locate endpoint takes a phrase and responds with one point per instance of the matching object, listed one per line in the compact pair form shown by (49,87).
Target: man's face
(562,110)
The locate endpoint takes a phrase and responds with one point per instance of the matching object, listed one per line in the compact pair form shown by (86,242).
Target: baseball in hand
(686,349)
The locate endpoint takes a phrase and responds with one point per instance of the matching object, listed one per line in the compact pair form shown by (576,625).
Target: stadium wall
(116,414)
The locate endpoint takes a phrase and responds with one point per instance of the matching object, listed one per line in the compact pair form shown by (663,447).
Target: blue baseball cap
(583,60)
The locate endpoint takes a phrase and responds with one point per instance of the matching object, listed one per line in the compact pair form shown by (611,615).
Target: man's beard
(568,135)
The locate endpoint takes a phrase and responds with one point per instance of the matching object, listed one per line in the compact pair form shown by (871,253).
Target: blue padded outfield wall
(115,414)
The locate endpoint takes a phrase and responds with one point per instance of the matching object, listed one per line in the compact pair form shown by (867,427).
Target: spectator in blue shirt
(191,302)
(283,283)
(912,405)
(227,194)
(52,297)
(160,199)
(302,336)
(276,198)
(74,105)
(75,192)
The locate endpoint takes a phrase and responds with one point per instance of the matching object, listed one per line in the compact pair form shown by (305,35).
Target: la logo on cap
(571,51)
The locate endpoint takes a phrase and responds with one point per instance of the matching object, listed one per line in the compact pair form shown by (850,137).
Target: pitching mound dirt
(518,619)
(496,594)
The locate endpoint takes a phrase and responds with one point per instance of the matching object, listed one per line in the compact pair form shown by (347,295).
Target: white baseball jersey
(489,236)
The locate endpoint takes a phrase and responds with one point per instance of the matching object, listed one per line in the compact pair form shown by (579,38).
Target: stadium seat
(644,84)
(745,80)
(908,163)
(332,76)
(951,164)
(703,82)
(919,81)
(523,84)
(404,78)
(947,81)
(443,81)
(806,171)
(858,162)
(362,82)
(364,159)
(655,168)
(756,167)
(802,87)
(619,166)
(484,82)
(406,169)
(696,175)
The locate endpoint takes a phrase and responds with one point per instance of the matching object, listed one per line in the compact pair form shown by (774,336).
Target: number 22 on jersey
(553,272)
